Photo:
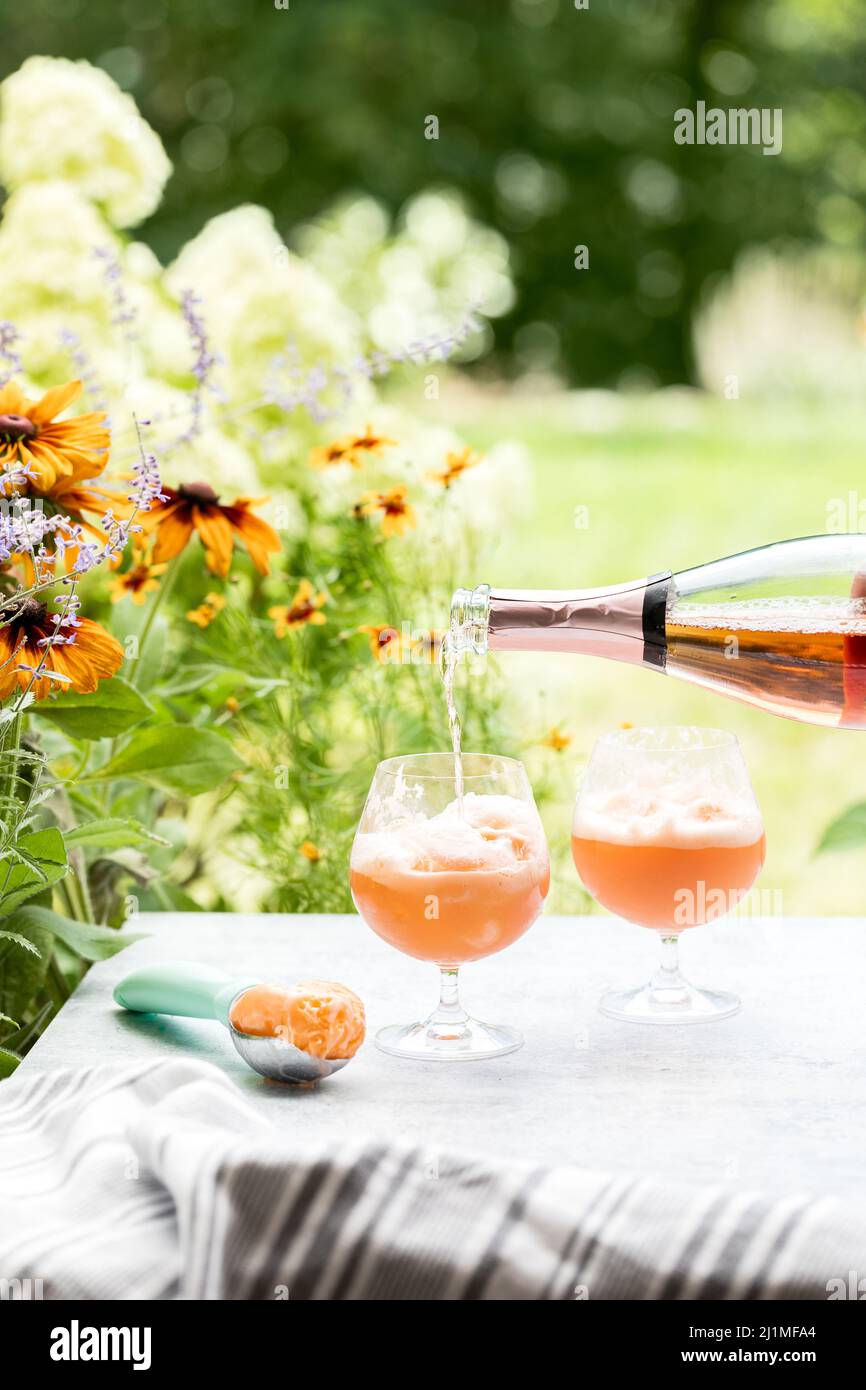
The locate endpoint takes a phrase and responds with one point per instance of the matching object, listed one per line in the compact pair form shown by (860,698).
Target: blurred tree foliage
(555,122)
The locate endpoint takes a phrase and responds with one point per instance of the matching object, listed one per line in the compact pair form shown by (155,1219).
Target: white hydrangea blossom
(52,283)
(418,278)
(80,162)
(48,236)
(56,254)
(69,120)
(259,298)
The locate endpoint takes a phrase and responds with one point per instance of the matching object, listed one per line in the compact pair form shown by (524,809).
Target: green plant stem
(10,762)
(392,608)
(156,603)
(82,763)
(72,899)
(144,636)
(14,727)
(82,889)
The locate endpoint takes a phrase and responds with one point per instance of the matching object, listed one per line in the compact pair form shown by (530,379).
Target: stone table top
(772,1098)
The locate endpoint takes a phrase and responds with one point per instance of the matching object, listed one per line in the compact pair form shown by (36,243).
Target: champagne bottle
(782,627)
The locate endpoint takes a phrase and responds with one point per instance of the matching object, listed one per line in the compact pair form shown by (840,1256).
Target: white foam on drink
(837,616)
(687,821)
(495,834)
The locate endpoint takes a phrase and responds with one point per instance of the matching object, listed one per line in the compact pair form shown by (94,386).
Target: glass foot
(465,1040)
(679,1002)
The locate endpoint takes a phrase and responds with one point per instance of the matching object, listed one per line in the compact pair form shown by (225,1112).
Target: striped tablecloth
(158,1180)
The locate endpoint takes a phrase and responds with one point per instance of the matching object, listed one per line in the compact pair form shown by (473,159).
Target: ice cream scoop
(297,1033)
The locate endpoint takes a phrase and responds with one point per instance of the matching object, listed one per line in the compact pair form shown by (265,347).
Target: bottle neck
(470,619)
(624,622)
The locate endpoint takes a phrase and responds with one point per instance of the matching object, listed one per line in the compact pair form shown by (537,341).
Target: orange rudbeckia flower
(388,645)
(556,740)
(455,464)
(385,642)
(397,514)
(327,455)
(204,615)
(368,442)
(196,507)
(351,449)
(91,657)
(51,449)
(137,582)
(304,608)
(67,496)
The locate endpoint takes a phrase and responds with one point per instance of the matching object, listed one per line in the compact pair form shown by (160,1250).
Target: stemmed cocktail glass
(449,873)
(667,833)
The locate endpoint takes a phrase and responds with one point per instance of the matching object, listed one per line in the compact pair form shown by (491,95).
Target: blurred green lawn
(670,481)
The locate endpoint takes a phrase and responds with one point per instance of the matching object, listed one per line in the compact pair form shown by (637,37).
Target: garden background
(696,390)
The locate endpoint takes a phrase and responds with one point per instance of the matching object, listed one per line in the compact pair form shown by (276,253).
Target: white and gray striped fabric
(159,1181)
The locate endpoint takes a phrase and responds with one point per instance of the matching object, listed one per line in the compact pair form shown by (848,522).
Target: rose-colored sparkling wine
(667,887)
(669,855)
(782,627)
(457,887)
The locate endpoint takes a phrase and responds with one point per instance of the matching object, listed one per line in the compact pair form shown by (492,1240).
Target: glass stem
(450,1012)
(668,976)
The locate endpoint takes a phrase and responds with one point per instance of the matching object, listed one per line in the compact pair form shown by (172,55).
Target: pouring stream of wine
(448,659)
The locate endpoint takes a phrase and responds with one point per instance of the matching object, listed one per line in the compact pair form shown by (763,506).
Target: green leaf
(19,941)
(224,679)
(22,973)
(165,896)
(12,711)
(848,831)
(115,832)
(22,1036)
(8,1061)
(84,938)
(193,678)
(174,758)
(112,709)
(45,856)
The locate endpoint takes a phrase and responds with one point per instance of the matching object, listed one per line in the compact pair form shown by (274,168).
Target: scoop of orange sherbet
(321,1017)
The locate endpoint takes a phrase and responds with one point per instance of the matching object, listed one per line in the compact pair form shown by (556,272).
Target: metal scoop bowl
(185,990)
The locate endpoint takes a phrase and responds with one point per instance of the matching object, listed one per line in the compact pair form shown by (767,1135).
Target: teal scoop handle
(180,988)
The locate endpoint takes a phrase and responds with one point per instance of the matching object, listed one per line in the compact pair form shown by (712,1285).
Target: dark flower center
(196,492)
(30,616)
(17,427)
